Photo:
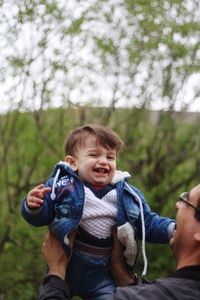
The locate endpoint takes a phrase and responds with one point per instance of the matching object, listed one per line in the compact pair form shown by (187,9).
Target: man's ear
(197,236)
(72,161)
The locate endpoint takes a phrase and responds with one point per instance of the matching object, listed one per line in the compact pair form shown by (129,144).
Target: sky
(81,77)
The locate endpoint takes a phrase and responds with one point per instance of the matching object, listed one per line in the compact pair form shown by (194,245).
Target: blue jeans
(89,277)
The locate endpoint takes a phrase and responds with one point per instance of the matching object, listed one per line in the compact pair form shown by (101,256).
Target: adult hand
(54,254)
(118,267)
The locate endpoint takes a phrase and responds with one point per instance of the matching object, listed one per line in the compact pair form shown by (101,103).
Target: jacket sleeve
(158,229)
(54,288)
(40,216)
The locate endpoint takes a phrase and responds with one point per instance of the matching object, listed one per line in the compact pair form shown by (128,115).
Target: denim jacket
(68,194)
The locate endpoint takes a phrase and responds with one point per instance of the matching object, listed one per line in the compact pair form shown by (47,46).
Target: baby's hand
(36,195)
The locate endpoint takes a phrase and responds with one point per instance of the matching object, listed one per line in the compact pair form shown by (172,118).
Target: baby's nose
(103,160)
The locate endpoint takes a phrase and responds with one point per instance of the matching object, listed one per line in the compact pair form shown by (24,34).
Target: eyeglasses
(184,198)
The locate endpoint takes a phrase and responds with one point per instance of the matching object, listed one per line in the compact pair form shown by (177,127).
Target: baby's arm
(158,229)
(36,195)
(37,208)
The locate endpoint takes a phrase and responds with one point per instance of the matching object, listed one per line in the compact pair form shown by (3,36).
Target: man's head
(92,150)
(186,238)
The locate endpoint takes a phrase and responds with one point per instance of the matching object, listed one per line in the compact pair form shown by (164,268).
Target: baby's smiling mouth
(101,170)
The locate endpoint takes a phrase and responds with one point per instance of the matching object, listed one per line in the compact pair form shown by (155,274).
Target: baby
(86,192)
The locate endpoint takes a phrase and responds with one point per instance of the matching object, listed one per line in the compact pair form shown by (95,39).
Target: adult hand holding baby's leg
(118,267)
(54,254)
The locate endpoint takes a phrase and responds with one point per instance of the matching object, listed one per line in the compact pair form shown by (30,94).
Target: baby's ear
(72,161)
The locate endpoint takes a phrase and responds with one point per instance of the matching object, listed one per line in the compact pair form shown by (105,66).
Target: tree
(89,54)
(100,52)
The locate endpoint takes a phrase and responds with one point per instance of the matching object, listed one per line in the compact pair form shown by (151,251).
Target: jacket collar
(188,272)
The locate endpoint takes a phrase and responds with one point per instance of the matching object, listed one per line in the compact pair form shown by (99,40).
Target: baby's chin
(100,182)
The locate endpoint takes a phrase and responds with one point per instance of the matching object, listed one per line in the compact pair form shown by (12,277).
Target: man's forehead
(194,194)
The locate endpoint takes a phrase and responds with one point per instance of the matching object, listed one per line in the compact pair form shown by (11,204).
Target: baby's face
(94,163)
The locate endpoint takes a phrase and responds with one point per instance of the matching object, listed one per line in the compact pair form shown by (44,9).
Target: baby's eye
(111,157)
(92,154)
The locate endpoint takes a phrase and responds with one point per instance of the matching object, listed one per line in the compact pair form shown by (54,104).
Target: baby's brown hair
(104,137)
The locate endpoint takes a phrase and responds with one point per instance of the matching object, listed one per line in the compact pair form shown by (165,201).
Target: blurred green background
(131,66)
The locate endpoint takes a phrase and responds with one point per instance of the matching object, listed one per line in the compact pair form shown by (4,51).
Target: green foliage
(16,62)
(75,27)
(107,46)
(163,158)
(65,52)
(57,48)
